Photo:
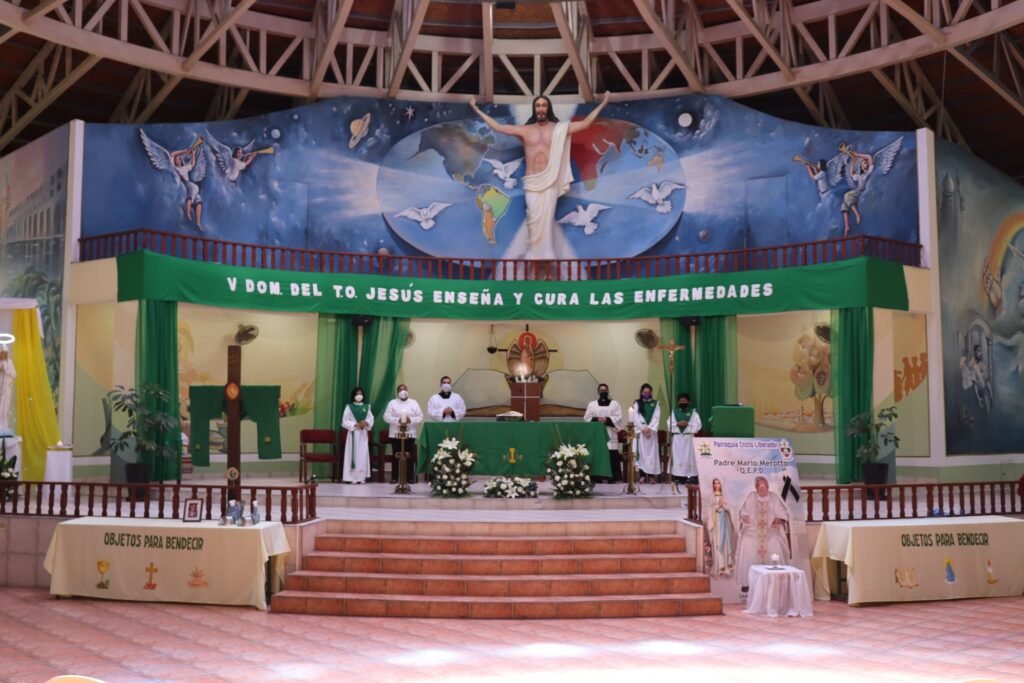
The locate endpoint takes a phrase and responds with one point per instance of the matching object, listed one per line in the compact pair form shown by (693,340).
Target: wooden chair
(378,456)
(665,454)
(309,440)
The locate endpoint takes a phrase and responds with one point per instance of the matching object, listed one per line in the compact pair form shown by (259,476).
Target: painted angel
(186,166)
(234,160)
(857,168)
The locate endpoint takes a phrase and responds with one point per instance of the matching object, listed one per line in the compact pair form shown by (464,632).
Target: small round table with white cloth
(778,591)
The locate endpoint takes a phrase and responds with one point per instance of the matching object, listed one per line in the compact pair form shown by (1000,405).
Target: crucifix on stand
(232,392)
(671,348)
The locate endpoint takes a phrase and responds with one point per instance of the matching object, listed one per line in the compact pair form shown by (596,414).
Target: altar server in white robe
(608,411)
(646,417)
(446,405)
(358,421)
(683,424)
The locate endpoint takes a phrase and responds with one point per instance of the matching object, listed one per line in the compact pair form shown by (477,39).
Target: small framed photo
(193,511)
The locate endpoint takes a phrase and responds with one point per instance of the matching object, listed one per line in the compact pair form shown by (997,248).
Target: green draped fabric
(716,363)
(853,358)
(383,346)
(337,362)
(673,331)
(156,363)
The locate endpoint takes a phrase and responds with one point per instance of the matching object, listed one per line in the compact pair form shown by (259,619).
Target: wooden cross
(232,392)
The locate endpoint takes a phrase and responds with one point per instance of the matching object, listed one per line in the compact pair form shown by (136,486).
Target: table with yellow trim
(903,560)
(166,560)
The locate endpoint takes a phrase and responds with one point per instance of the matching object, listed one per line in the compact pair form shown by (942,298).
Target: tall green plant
(149,419)
(875,432)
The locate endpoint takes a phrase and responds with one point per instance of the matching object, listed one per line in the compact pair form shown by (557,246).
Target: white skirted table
(58,465)
(778,592)
(166,560)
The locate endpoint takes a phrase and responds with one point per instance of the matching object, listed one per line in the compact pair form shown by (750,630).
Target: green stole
(681,414)
(359,411)
(647,409)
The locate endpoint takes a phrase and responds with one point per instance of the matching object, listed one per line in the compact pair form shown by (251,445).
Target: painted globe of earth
(455,189)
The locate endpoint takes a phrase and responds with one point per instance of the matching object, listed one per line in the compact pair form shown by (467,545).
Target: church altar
(167,560)
(530,442)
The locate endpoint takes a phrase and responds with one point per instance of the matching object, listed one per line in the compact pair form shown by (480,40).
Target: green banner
(846,284)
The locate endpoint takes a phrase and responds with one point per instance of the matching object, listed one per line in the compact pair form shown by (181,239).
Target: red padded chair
(319,445)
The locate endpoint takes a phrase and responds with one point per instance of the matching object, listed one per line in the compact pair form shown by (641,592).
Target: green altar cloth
(533,441)
(259,404)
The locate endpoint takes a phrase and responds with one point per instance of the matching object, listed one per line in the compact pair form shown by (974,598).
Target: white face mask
(359,398)
(446,387)
(403,394)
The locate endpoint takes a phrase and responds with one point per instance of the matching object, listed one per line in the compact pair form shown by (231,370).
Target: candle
(631,413)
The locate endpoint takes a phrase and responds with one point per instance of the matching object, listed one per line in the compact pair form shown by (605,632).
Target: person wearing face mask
(446,405)
(399,410)
(683,424)
(646,416)
(358,421)
(608,411)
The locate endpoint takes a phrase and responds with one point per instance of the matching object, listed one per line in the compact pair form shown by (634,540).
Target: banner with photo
(753,510)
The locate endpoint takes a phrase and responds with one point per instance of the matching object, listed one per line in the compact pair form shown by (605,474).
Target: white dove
(425,216)
(505,171)
(584,217)
(658,195)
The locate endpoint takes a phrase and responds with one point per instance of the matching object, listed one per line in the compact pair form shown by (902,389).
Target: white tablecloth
(778,591)
(165,560)
(58,465)
(14,449)
(903,560)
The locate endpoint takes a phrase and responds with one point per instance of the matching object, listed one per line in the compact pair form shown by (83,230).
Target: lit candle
(631,413)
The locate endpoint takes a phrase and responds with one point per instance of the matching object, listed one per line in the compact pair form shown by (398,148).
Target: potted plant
(149,420)
(878,434)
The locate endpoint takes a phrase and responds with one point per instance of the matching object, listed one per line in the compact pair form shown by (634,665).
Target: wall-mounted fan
(646,338)
(245,334)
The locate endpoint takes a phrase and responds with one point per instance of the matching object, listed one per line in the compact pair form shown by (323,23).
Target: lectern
(526,399)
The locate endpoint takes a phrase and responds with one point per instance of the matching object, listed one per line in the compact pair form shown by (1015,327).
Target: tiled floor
(914,642)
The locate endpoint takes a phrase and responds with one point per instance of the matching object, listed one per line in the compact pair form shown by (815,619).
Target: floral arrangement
(510,487)
(7,472)
(450,467)
(570,471)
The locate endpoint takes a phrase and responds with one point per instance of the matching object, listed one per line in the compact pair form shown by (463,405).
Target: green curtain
(156,363)
(337,364)
(383,346)
(853,357)
(673,331)
(716,363)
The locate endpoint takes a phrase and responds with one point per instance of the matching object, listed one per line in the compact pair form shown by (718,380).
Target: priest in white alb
(683,425)
(446,405)
(358,421)
(608,411)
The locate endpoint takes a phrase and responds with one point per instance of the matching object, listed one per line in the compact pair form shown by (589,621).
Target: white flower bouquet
(450,467)
(569,470)
(510,487)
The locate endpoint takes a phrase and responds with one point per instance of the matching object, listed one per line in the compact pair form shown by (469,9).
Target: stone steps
(499,570)
(460,607)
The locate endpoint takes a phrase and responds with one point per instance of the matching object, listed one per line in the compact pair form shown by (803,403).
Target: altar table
(902,560)
(166,560)
(778,592)
(533,441)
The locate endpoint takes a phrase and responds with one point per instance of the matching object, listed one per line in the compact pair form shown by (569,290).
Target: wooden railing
(287,504)
(899,501)
(200,248)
